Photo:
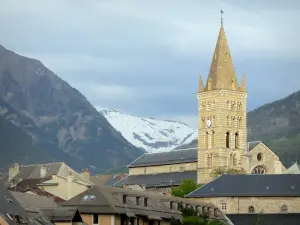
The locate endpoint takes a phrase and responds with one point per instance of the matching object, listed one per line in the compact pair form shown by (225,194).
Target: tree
(222,170)
(186,187)
(191,216)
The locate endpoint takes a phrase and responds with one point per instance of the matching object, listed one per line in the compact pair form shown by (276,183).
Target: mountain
(59,119)
(277,124)
(150,134)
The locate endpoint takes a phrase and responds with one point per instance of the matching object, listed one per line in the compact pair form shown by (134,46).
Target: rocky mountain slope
(150,134)
(277,124)
(59,118)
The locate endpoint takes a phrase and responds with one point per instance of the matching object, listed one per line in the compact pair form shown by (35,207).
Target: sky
(144,57)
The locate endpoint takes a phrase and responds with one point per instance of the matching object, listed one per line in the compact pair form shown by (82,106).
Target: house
(108,205)
(58,179)
(36,205)
(268,193)
(12,213)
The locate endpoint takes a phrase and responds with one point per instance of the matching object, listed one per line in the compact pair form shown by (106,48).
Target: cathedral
(222,136)
(222,122)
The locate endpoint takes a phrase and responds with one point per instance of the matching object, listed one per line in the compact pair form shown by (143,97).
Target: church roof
(158,179)
(265,218)
(173,157)
(251,185)
(253,144)
(165,158)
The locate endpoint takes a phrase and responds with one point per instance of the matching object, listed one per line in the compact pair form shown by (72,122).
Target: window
(145,202)
(206,140)
(9,216)
(95,219)
(227,140)
(234,160)
(223,206)
(259,170)
(113,220)
(209,159)
(171,205)
(251,209)
(212,139)
(259,157)
(216,213)
(124,199)
(89,197)
(284,208)
(137,200)
(8,199)
(236,140)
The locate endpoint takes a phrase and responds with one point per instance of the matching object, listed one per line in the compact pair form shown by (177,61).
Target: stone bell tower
(222,122)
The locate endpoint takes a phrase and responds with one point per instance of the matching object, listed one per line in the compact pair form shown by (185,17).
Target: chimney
(70,179)
(43,171)
(13,171)
(85,174)
(54,176)
(122,176)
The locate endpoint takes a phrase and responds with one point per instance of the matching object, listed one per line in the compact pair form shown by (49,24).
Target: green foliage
(191,216)
(186,187)
(221,170)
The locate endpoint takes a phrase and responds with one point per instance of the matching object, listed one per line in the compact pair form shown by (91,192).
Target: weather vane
(222,17)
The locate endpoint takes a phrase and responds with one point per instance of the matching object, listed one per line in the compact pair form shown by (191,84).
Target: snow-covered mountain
(148,133)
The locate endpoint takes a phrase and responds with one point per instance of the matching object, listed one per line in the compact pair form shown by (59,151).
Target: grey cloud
(152,52)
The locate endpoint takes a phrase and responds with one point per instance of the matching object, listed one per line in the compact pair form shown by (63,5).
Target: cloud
(144,57)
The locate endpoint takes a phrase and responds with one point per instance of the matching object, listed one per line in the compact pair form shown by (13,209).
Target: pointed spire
(222,74)
(243,83)
(201,86)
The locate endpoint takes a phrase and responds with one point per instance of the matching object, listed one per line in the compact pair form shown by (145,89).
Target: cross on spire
(221,17)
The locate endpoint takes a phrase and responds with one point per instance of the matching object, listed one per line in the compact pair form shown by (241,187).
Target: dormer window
(137,200)
(124,199)
(145,202)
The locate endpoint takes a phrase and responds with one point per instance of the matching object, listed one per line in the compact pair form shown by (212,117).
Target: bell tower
(222,122)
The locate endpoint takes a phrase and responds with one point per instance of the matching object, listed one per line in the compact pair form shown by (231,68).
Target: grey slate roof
(250,185)
(33,203)
(265,219)
(158,179)
(165,158)
(253,144)
(10,206)
(62,214)
(109,200)
(106,180)
(59,168)
(174,157)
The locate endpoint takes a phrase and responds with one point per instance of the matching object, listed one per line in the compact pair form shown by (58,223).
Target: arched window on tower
(227,139)
(212,138)
(236,140)
(228,121)
(209,159)
(206,140)
(231,160)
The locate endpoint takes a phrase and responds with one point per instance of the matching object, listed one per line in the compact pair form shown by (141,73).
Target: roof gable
(250,185)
